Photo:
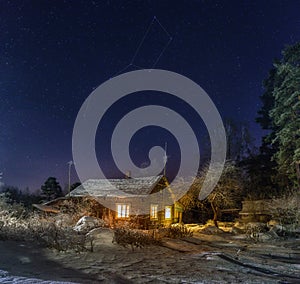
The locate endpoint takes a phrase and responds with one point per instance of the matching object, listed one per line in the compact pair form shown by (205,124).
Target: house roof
(117,187)
(45,208)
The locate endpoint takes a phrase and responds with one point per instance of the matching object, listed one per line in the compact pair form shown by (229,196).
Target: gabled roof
(117,187)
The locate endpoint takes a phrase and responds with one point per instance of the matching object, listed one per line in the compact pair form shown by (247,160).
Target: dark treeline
(274,170)
(15,195)
(50,190)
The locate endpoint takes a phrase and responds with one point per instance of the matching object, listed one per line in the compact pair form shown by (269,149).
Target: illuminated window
(168,212)
(123,210)
(153,211)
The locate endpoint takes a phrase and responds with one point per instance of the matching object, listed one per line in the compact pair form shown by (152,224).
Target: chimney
(128,175)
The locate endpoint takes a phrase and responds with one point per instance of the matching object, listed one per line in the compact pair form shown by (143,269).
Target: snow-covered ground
(203,258)
(6,278)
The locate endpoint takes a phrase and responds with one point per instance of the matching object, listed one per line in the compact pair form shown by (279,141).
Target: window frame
(154,211)
(123,210)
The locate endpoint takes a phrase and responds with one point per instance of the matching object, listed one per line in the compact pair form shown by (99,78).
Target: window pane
(123,210)
(119,209)
(153,211)
(167,212)
(127,211)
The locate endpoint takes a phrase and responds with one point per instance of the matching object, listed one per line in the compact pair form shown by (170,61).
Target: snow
(217,258)
(10,279)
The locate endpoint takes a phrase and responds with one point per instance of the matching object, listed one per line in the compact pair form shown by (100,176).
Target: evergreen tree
(51,189)
(261,168)
(239,141)
(286,114)
(280,114)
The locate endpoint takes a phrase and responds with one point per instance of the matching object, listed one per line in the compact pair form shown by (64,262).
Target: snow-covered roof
(117,187)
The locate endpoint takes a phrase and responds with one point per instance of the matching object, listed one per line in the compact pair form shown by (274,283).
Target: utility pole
(70,165)
(165,159)
(1,176)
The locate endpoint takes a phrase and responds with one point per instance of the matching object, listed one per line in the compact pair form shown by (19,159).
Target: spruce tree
(51,189)
(280,114)
(286,114)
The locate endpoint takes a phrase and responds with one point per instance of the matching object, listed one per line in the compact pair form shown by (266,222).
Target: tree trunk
(215,219)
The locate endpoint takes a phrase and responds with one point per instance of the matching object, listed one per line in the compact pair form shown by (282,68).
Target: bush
(12,209)
(15,225)
(254,229)
(60,238)
(135,238)
(286,210)
(79,207)
(178,231)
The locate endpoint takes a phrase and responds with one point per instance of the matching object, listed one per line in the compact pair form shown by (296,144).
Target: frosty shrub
(286,210)
(18,226)
(133,222)
(79,207)
(135,238)
(42,231)
(254,229)
(7,208)
(12,222)
(61,238)
(178,231)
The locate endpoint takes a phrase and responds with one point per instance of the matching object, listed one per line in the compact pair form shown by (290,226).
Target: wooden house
(121,200)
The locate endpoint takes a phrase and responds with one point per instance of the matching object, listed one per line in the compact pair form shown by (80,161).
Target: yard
(203,258)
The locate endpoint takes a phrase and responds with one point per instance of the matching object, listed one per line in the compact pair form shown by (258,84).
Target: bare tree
(228,192)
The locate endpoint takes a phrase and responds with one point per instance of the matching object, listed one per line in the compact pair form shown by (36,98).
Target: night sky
(55,53)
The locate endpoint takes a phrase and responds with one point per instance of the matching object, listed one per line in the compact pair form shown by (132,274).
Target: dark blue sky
(54,53)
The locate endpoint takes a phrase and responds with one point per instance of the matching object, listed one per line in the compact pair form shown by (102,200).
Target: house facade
(122,196)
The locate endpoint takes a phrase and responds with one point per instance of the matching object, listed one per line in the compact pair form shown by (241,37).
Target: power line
(122,70)
(161,53)
(132,63)
(162,27)
(142,41)
(70,163)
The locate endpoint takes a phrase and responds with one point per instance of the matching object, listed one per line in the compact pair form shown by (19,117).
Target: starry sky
(55,53)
